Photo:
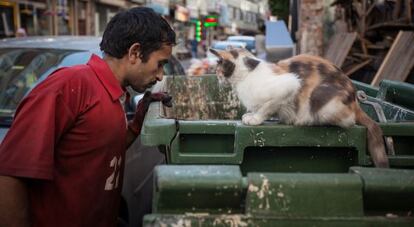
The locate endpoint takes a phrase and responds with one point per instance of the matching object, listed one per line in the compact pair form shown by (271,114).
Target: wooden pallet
(399,60)
(339,47)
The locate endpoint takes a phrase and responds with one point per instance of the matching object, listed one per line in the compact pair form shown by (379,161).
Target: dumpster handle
(177,129)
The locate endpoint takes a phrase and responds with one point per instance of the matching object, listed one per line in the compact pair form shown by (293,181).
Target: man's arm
(130,137)
(14,202)
(135,125)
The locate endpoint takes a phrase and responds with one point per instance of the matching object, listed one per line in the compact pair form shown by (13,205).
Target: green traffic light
(210,24)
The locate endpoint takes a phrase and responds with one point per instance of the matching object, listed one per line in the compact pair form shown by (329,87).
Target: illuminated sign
(211,21)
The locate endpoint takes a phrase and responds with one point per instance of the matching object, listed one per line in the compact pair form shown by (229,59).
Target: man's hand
(135,124)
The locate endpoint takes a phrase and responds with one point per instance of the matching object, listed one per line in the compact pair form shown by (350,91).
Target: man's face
(144,75)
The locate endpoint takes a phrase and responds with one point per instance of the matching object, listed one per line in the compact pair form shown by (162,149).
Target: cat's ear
(215,52)
(251,63)
(234,53)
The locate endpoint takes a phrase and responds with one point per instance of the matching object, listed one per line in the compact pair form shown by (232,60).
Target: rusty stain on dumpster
(195,98)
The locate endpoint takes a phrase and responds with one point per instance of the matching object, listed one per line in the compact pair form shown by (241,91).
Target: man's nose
(160,74)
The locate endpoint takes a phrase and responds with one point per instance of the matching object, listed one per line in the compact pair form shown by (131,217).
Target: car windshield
(249,43)
(20,69)
(223,46)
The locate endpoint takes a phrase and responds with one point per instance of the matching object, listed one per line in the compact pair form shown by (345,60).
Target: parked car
(222,45)
(24,62)
(250,41)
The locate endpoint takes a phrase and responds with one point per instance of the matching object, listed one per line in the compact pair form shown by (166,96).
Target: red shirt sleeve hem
(35,173)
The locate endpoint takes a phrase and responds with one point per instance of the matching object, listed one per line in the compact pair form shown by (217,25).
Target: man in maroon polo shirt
(62,161)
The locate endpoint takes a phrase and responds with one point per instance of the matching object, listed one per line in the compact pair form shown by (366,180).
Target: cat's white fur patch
(348,121)
(328,110)
(334,108)
(274,90)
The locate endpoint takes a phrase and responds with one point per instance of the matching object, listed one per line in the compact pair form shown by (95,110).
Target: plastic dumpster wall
(223,173)
(204,127)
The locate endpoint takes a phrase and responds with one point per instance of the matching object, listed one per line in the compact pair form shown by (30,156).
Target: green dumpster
(219,195)
(221,172)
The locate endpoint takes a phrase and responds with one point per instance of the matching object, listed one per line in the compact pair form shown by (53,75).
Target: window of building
(7,19)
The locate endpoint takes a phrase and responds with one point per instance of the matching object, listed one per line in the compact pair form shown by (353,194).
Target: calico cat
(302,90)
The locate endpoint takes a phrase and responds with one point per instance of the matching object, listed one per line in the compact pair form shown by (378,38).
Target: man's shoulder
(73,74)
(76,72)
(68,78)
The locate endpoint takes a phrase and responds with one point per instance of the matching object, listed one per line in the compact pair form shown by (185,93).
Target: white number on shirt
(112,181)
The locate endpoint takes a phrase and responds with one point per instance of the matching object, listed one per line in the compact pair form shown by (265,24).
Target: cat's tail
(376,145)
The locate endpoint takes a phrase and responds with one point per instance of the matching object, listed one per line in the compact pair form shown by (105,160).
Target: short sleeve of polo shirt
(40,120)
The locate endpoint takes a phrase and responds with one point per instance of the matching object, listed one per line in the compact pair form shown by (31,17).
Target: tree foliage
(279,8)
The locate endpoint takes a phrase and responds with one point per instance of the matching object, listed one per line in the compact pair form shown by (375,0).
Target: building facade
(59,17)
(89,17)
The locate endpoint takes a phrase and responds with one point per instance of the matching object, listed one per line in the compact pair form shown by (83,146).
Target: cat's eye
(219,61)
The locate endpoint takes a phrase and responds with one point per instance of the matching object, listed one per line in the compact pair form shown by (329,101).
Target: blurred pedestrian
(201,49)
(21,32)
(194,48)
(62,161)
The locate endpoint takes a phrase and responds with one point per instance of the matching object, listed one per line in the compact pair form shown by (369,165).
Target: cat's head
(234,64)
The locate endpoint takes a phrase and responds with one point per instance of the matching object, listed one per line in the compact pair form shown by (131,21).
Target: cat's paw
(252,119)
(246,115)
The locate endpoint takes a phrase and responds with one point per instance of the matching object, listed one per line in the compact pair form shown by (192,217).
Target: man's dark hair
(137,25)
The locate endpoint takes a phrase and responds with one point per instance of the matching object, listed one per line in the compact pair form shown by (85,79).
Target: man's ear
(134,52)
